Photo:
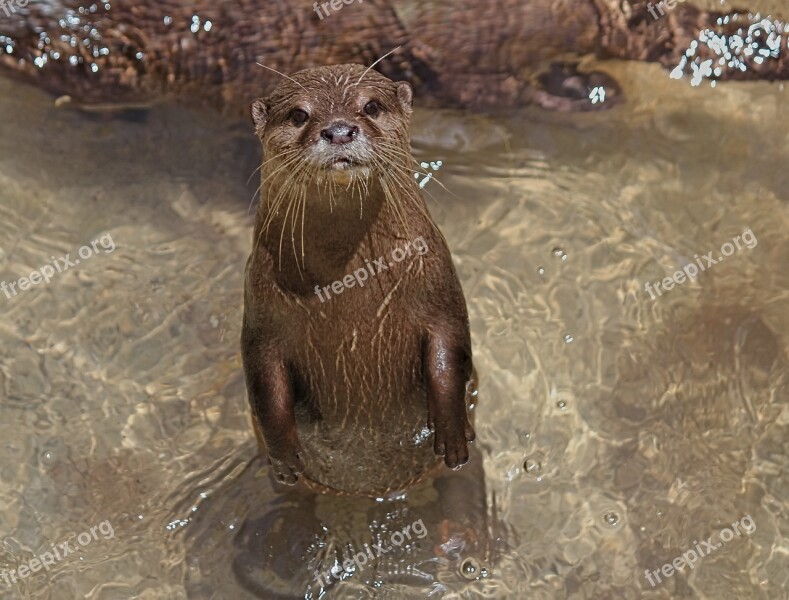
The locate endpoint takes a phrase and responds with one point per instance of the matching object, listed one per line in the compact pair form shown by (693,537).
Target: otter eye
(372,108)
(298,116)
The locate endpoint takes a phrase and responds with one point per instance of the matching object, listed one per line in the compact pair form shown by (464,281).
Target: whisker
(253,173)
(289,160)
(291,202)
(303,213)
(375,63)
(283,75)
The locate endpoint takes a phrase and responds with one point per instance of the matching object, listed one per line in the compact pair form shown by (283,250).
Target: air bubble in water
(470,568)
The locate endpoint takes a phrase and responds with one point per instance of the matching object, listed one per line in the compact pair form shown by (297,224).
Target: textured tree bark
(455,52)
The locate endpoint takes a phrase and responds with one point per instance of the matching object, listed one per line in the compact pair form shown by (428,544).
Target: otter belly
(370,461)
(361,409)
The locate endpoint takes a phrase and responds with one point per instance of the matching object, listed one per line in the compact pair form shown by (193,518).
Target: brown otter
(454,52)
(355,382)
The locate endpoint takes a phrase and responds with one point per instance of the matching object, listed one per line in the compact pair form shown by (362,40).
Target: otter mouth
(341,163)
(343,169)
(341,160)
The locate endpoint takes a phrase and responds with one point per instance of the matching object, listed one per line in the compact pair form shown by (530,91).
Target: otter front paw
(451,441)
(287,468)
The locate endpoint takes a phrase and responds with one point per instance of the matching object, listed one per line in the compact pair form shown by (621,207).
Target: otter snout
(340,132)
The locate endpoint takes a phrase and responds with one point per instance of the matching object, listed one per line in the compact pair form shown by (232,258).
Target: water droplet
(561,404)
(53,452)
(532,465)
(559,253)
(568,338)
(470,568)
(611,518)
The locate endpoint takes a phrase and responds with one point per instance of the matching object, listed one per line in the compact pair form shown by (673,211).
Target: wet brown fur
(342,391)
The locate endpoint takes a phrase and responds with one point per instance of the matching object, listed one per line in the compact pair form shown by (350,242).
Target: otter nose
(339,133)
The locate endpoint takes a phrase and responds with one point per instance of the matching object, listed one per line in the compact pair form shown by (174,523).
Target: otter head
(335,123)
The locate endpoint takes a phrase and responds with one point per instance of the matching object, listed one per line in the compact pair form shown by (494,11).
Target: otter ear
(405,95)
(259,115)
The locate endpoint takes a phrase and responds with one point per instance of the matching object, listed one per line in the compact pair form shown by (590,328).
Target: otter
(461,53)
(359,388)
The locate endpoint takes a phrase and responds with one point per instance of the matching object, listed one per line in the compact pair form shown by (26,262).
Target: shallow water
(617,432)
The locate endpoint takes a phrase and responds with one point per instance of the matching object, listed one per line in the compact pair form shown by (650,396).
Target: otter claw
(456,455)
(453,445)
(287,472)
